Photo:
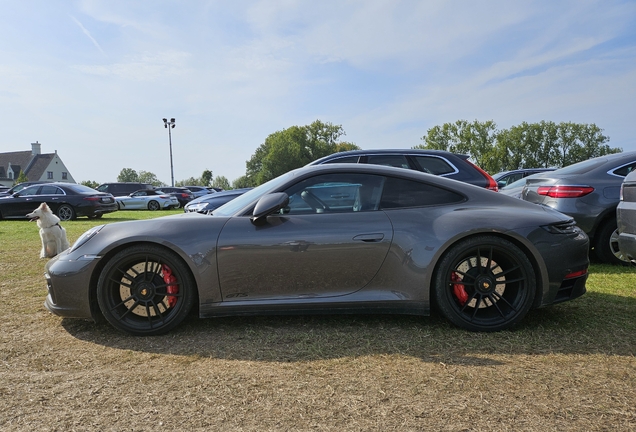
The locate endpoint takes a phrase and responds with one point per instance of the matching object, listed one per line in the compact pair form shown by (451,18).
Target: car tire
(484,283)
(606,244)
(66,212)
(153,205)
(134,295)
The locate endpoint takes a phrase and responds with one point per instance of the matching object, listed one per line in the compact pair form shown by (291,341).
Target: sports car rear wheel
(145,290)
(484,283)
(153,205)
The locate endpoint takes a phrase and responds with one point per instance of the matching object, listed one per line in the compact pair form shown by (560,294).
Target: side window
(398,161)
(346,159)
(335,193)
(28,191)
(401,193)
(50,190)
(624,170)
(102,188)
(434,165)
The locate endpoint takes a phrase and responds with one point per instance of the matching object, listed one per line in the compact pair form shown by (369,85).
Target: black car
(208,203)
(66,200)
(505,178)
(437,162)
(589,191)
(184,195)
(626,217)
(338,238)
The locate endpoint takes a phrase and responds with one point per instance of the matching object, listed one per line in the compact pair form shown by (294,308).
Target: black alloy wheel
(153,205)
(145,290)
(484,283)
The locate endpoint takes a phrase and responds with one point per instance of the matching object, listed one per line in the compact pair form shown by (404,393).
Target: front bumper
(68,285)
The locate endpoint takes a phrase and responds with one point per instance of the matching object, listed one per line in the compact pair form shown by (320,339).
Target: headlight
(86,237)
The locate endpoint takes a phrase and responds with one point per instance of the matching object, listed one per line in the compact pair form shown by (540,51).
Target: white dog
(52,234)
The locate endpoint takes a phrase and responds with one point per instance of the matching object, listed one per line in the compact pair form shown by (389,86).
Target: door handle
(369,238)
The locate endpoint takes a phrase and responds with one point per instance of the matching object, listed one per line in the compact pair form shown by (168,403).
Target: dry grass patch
(567,367)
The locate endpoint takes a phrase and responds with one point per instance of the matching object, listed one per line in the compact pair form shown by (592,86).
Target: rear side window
(398,161)
(434,165)
(624,170)
(401,193)
(346,159)
(51,190)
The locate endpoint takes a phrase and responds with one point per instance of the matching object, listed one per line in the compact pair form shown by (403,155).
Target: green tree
(528,145)
(241,182)
(21,178)
(128,175)
(476,139)
(206,178)
(148,177)
(292,148)
(90,183)
(221,182)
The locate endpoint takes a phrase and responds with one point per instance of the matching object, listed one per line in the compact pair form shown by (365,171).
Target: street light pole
(170,125)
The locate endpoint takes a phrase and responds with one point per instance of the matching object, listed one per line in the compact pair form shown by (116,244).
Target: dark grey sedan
(588,191)
(339,238)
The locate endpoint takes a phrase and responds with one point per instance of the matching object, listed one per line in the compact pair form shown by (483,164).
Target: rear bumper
(627,245)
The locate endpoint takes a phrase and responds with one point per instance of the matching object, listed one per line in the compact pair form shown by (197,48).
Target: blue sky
(93,79)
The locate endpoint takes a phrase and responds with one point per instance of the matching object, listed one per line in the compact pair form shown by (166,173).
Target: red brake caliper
(171,281)
(458,289)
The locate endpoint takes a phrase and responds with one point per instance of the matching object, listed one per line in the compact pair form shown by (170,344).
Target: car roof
(415,152)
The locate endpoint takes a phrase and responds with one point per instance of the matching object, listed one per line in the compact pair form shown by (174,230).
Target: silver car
(147,199)
(626,217)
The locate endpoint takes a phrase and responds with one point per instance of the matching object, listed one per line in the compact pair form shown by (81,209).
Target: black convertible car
(336,238)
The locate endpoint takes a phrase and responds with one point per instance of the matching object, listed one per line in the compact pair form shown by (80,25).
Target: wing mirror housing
(267,205)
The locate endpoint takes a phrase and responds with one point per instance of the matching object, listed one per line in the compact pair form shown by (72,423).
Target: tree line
(529,145)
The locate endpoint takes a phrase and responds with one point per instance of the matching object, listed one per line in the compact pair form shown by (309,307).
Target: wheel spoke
(510,270)
(494,303)
(503,299)
(464,275)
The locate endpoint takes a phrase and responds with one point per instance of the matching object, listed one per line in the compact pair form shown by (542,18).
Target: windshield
(239,203)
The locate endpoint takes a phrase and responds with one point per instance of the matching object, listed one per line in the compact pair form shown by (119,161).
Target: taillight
(92,198)
(565,191)
(492,184)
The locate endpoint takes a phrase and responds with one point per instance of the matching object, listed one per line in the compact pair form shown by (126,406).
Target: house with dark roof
(35,165)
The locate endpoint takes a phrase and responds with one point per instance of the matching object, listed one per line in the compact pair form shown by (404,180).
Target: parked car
(147,199)
(626,217)
(437,162)
(589,191)
(184,195)
(208,203)
(199,191)
(505,178)
(515,188)
(67,200)
(4,188)
(123,188)
(20,186)
(331,238)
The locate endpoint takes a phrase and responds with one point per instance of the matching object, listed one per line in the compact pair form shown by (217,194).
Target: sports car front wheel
(145,290)
(484,283)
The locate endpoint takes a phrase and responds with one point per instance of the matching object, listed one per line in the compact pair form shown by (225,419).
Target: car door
(23,203)
(310,250)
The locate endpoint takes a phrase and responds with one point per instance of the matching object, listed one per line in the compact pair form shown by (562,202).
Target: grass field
(568,367)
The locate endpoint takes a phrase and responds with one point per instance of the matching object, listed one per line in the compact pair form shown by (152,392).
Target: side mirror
(267,205)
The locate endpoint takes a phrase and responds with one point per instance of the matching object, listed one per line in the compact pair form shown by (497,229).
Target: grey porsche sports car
(336,238)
